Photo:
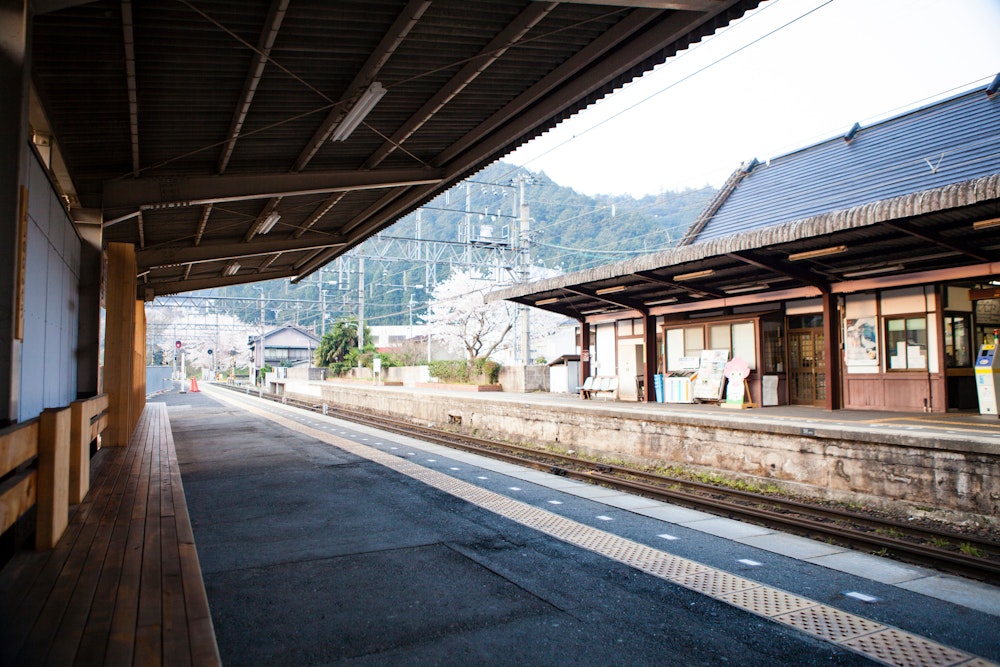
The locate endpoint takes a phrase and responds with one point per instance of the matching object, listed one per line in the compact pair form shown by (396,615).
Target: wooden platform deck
(123,585)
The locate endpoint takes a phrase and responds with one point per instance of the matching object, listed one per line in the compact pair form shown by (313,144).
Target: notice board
(711,377)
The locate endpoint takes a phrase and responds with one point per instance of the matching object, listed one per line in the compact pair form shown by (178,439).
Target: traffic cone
(194,385)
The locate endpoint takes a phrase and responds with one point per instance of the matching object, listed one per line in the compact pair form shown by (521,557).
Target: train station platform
(943,466)
(324,542)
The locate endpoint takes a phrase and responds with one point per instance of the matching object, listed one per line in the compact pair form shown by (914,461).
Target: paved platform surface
(956,427)
(313,554)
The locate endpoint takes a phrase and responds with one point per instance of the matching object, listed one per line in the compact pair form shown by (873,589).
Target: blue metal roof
(944,143)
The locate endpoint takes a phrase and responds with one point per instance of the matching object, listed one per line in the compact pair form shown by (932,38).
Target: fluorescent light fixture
(231,269)
(694,275)
(876,271)
(742,289)
(813,254)
(269,222)
(611,290)
(545,302)
(594,312)
(359,111)
(660,302)
(983,224)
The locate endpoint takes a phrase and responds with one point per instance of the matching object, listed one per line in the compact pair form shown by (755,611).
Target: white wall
(52,304)
(605,358)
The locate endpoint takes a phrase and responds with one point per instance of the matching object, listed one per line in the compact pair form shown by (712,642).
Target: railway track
(957,553)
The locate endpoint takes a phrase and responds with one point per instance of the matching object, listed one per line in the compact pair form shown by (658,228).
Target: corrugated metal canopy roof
(184,125)
(915,199)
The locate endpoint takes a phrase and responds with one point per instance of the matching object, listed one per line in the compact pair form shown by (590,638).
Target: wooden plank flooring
(123,586)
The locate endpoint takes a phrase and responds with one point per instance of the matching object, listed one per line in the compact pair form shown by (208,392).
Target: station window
(906,342)
(957,342)
(737,337)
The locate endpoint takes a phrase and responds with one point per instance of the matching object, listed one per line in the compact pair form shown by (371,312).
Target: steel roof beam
(492,52)
(171,192)
(128,39)
(780,269)
(256,71)
(621,31)
(623,303)
(631,53)
(150,290)
(403,25)
(930,237)
(690,289)
(154,257)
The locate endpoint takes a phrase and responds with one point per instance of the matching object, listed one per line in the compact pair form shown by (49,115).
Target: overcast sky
(693,120)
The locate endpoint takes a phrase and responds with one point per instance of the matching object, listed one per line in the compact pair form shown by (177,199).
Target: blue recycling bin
(658,386)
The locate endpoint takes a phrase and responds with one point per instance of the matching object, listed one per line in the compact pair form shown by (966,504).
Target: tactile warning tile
(884,644)
(767,601)
(895,647)
(716,583)
(829,623)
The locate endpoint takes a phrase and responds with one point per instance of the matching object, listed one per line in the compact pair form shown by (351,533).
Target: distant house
(285,346)
(860,272)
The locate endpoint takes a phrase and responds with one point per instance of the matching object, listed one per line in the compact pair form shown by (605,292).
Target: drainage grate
(888,645)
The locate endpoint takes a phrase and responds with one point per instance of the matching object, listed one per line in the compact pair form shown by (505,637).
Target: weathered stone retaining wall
(955,479)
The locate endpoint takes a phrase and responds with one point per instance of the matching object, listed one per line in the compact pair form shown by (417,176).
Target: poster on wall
(861,342)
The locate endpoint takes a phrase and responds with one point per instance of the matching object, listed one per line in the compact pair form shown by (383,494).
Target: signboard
(711,377)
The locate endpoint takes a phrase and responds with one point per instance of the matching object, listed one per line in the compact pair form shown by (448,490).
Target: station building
(856,273)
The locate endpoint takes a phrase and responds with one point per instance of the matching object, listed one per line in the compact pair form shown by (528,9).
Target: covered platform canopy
(911,200)
(237,142)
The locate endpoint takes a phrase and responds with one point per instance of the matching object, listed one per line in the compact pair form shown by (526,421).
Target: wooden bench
(123,584)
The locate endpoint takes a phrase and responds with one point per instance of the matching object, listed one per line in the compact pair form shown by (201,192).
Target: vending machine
(987,370)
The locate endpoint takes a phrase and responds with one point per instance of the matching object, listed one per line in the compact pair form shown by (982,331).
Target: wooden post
(79,452)
(119,355)
(53,477)
(649,340)
(832,351)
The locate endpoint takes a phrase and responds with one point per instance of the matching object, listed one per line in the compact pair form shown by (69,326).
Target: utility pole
(361,307)
(260,393)
(322,306)
(525,263)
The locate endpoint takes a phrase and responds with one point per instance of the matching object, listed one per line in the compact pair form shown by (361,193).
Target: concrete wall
(955,479)
(48,359)
(410,376)
(523,379)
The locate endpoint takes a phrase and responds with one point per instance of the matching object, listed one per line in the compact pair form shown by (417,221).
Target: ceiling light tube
(872,272)
(545,302)
(660,302)
(594,312)
(813,254)
(745,288)
(269,222)
(359,111)
(983,224)
(611,290)
(231,269)
(694,275)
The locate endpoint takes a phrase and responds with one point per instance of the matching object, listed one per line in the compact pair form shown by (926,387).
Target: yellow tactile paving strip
(879,642)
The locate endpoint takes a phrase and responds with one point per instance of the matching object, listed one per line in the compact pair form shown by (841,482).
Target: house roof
(182,127)
(895,203)
(288,327)
(928,148)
